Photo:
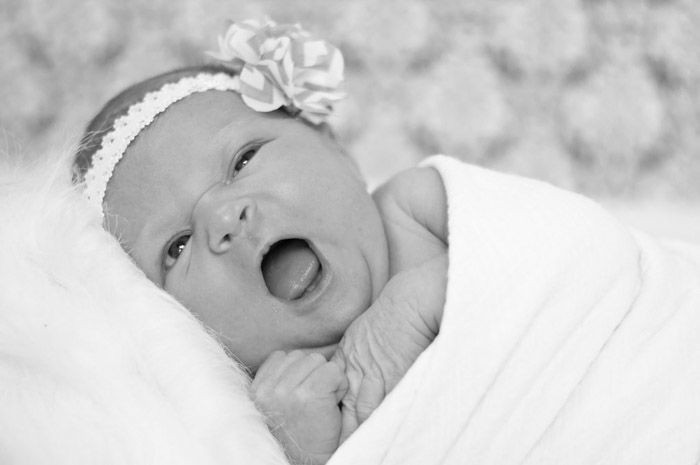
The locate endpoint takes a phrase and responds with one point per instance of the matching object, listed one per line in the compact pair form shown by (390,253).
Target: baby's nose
(224,220)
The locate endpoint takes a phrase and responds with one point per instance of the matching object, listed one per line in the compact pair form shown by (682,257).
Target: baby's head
(255,221)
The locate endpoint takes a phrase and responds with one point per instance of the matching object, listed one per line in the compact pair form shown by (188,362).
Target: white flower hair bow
(283,66)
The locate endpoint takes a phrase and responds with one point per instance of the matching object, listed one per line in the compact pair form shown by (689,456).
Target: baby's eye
(174,249)
(243,158)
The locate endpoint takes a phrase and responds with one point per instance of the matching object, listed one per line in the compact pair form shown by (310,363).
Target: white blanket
(566,339)
(97,365)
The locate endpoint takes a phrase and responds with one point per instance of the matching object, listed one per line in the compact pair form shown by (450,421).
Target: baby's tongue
(289,268)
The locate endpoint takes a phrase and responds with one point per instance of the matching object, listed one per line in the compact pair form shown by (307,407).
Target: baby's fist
(299,393)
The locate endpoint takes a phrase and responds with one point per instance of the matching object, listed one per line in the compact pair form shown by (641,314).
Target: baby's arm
(299,394)
(382,344)
(413,207)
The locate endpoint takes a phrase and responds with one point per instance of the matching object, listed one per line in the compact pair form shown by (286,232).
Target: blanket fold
(566,338)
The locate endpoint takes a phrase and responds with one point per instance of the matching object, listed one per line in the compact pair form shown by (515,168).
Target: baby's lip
(269,242)
(266,246)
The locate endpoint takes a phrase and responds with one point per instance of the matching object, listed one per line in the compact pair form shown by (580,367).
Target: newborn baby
(261,226)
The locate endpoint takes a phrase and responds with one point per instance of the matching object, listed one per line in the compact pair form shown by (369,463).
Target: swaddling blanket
(566,339)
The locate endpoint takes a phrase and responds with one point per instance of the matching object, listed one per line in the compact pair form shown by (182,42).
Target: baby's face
(254,221)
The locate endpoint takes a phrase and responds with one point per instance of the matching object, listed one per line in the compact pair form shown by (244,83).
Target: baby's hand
(381,345)
(299,393)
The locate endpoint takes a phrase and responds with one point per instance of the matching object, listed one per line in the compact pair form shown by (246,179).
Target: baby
(249,213)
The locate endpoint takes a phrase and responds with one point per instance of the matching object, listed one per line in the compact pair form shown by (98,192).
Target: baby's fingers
(298,372)
(349,422)
(328,379)
(362,398)
(273,367)
(369,397)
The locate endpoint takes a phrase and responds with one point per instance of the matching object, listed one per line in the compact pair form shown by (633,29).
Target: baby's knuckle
(262,397)
(332,367)
(279,393)
(302,394)
(258,389)
(333,371)
(277,355)
(316,357)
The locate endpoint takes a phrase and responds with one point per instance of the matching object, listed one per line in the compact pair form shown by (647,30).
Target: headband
(278,66)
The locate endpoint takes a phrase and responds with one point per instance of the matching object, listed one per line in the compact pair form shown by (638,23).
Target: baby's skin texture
(300,392)
(263,228)
(380,346)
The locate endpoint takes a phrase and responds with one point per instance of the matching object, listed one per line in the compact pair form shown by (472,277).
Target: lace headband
(279,66)
(137,118)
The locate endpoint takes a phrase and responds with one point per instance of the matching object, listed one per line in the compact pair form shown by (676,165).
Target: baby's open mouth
(291,269)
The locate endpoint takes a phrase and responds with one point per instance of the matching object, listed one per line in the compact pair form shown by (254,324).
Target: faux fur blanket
(97,365)
(566,339)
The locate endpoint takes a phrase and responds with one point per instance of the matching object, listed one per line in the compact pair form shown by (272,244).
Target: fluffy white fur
(98,365)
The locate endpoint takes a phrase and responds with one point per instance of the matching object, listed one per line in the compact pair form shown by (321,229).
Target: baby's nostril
(226,239)
(242,216)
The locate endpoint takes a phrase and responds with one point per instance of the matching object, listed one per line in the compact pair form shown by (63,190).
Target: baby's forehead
(180,136)
(200,114)
(174,159)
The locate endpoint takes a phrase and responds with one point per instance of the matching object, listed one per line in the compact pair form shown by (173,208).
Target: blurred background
(597,96)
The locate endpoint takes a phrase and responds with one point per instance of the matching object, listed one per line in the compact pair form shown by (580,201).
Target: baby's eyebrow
(222,134)
(228,140)
(232,133)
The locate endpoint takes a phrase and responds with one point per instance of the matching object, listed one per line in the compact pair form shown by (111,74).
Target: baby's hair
(102,123)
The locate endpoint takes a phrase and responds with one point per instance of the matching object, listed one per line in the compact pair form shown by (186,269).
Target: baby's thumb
(349,419)
(369,397)
(338,358)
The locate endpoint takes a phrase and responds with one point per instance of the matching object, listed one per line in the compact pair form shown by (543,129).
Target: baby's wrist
(433,295)
(298,456)
(316,459)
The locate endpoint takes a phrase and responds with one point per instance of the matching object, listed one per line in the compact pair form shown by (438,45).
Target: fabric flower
(283,66)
